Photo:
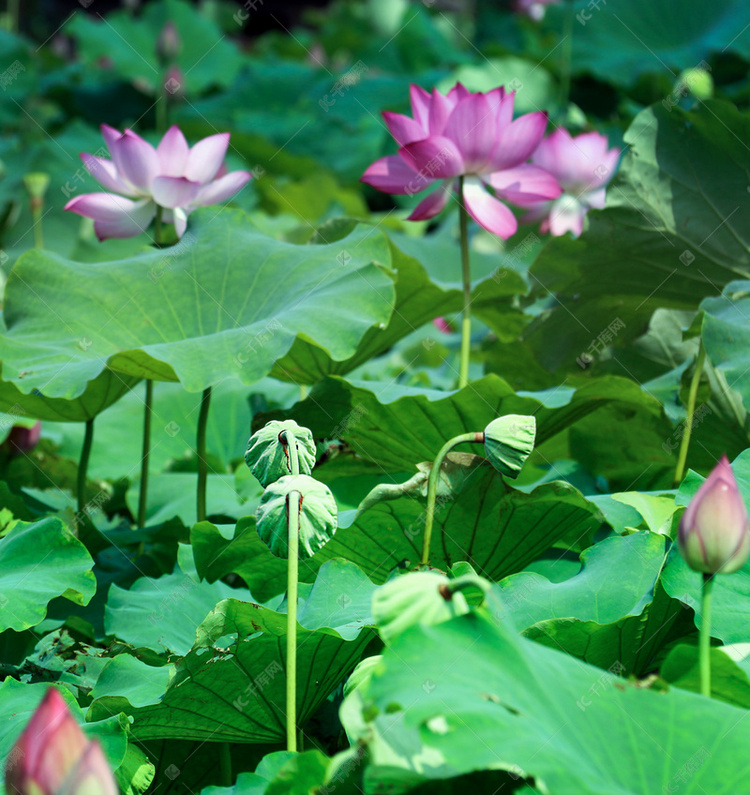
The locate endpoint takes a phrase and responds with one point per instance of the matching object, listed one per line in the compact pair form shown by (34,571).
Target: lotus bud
(22,440)
(53,756)
(714,535)
(420,597)
(362,674)
(168,44)
(268,451)
(318,515)
(508,442)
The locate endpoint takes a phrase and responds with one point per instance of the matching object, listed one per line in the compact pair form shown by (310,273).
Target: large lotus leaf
(730,602)
(537,712)
(729,681)
(231,686)
(621,42)
(419,299)
(495,527)
(19,701)
(226,302)
(399,427)
(604,620)
(107,388)
(163,614)
(40,561)
(205,57)
(674,232)
(280,773)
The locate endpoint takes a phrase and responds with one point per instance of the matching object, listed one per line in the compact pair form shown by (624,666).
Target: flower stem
(145,452)
(293,501)
(225,764)
(463,217)
(692,395)
(158,225)
(705,636)
(202,463)
(432,482)
(83,464)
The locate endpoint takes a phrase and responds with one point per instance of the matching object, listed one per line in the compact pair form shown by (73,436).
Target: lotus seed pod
(420,597)
(267,452)
(714,535)
(362,674)
(508,442)
(318,515)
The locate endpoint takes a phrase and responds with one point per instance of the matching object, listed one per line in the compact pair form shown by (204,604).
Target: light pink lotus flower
(714,535)
(583,166)
(471,135)
(534,9)
(53,756)
(140,178)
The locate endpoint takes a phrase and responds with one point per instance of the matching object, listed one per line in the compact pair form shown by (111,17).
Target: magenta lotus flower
(469,135)
(583,166)
(53,756)
(714,534)
(141,178)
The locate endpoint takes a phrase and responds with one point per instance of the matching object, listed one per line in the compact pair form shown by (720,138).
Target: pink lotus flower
(471,135)
(53,755)
(22,439)
(714,535)
(583,166)
(173,176)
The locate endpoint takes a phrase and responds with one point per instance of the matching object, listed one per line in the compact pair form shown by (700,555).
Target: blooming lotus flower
(583,166)
(141,178)
(714,535)
(53,756)
(466,134)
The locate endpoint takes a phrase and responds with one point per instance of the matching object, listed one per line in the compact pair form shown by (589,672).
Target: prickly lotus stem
(508,442)
(421,597)
(317,517)
(268,452)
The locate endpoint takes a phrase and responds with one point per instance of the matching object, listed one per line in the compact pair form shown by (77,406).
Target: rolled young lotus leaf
(508,442)
(362,674)
(420,597)
(318,515)
(268,453)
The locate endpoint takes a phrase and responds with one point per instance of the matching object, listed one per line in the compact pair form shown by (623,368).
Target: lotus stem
(225,764)
(202,463)
(432,482)
(704,641)
(83,464)
(293,501)
(142,497)
(692,396)
(463,216)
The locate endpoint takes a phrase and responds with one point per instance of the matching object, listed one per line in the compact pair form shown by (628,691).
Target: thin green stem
(704,643)
(293,500)
(202,462)
(37,214)
(145,452)
(692,396)
(83,464)
(293,452)
(463,217)
(158,226)
(162,111)
(225,764)
(432,483)
(566,56)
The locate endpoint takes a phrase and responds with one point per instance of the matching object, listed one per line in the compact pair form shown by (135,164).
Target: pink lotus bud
(443,325)
(168,44)
(22,440)
(714,534)
(53,756)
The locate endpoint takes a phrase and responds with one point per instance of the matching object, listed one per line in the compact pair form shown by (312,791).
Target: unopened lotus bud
(508,442)
(714,536)
(362,674)
(22,440)
(318,515)
(268,453)
(169,43)
(420,597)
(53,756)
